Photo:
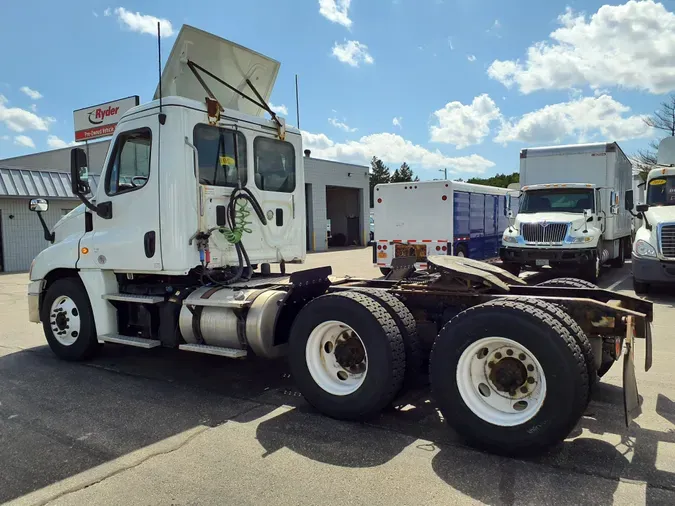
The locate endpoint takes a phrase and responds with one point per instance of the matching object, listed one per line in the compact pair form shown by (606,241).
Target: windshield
(661,191)
(557,200)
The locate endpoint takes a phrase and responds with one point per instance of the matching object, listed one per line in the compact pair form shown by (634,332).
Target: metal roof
(38,183)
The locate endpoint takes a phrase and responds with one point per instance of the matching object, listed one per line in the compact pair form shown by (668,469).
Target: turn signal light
(84,251)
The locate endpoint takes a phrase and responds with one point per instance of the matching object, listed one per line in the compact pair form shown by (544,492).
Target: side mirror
(628,204)
(588,211)
(38,205)
(79,172)
(641,208)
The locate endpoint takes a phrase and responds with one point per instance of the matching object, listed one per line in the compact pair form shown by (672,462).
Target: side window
(274,165)
(218,165)
(129,167)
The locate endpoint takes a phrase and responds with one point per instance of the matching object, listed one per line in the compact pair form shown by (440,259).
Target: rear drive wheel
(461,251)
(407,326)
(68,321)
(346,355)
(640,287)
(568,283)
(509,377)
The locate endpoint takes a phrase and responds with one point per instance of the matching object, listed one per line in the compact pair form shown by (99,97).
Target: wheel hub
(61,320)
(508,374)
(349,352)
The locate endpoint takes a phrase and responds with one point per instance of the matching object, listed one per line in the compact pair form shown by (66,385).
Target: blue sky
(462,84)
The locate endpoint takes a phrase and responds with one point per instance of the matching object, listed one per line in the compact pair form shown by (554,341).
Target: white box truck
(653,255)
(571,214)
(425,218)
(199,197)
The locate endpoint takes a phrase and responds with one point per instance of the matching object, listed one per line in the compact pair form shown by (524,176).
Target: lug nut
(530,367)
(530,380)
(509,352)
(521,356)
(523,390)
(491,364)
(498,355)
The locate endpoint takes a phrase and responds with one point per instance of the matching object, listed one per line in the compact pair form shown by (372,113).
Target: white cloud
(24,140)
(464,125)
(392,149)
(19,120)
(336,11)
(341,125)
(33,107)
(494,29)
(5,137)
(279,109)
(55,142)
(582,119)
(94,13)
(471,58)
(450,43)
(142,23)
(397,121)
(34,94)
(107,12)
(353,53)
(629,45)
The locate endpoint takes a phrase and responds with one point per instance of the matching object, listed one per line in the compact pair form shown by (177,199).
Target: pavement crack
(133,465)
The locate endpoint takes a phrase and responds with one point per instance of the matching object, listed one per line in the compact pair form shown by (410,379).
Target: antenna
(297,102)
(162,116)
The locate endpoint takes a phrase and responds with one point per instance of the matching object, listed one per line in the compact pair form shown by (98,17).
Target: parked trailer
(427,218)
(178,255)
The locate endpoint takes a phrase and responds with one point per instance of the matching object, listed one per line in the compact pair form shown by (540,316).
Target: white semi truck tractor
(571,216)
(653,258)
(200,195)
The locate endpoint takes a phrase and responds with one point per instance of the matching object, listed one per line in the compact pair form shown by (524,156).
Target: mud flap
(631,399)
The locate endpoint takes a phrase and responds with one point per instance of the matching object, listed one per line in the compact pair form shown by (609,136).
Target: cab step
(138,342)
(128,297)
(214,350)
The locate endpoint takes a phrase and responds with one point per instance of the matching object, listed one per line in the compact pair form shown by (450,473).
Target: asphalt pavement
(165,427)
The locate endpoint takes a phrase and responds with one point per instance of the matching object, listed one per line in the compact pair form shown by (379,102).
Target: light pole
(445,171)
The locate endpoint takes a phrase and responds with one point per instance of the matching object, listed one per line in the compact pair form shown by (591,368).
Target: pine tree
(403,175)
(379,173)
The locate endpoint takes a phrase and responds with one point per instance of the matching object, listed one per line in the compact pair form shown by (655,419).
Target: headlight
(510,238)
(644,249)
(580,240)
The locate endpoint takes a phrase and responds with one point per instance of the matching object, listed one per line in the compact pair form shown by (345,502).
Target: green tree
(498,180)
(403,175)
(379,173)
(662,119)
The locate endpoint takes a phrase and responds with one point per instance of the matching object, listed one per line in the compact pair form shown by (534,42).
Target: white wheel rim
(485,397)
(324,341)
(64,320)
(460,254)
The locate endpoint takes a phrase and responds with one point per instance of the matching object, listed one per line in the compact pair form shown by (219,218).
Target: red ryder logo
(98,115)
(98,121)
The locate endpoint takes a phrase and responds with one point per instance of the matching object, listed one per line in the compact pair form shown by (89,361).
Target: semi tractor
(653,255)
(200,196)
(571,214)
(425,218)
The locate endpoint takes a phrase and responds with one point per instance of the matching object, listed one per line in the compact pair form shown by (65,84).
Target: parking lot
(165,427)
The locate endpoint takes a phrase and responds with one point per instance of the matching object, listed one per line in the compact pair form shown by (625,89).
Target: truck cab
(653,253)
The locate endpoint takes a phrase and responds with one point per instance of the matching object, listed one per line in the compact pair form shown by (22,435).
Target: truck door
(128,239)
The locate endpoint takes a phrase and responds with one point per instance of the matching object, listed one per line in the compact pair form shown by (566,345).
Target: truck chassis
(511,366)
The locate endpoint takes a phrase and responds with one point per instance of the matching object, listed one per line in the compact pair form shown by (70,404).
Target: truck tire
(620,260)
(512,268)
(640,288)
(591,271)
(568,283)
(483,407)
(385,270)
(560,313)
(346,355)
(68,321)
(461,251)
(407,326)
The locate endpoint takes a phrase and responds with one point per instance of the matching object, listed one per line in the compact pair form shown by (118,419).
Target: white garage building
(336,204)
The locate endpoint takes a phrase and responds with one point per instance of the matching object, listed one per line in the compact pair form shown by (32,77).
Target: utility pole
(445,171)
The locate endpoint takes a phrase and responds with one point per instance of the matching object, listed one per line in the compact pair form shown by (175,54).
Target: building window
(129,167)
(217,161)
(274,165)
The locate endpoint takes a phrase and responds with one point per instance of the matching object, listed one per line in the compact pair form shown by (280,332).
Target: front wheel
(509,377)
(639,287)
(620,260)
(68,321)
(591,271)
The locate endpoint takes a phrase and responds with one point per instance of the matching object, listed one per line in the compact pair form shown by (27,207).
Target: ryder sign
(100,120)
